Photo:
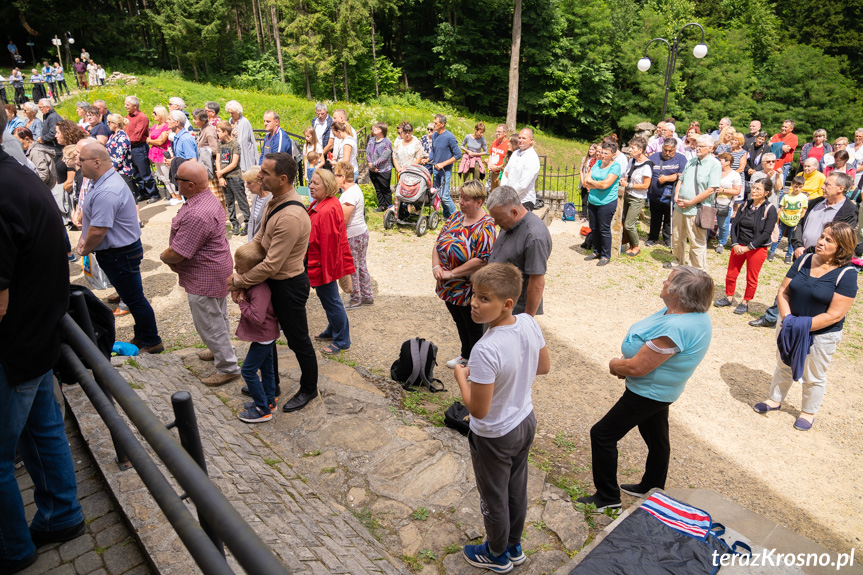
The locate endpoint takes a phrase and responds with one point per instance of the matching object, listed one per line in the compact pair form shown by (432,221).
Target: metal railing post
(82,318)
(186,423)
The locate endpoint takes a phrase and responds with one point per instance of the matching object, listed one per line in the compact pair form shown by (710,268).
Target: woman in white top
(312,145)
(407,149)
(353,206)
(345,147)
(730,186)
(635,182)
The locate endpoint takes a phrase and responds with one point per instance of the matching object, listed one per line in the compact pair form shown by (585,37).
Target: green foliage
(421,514)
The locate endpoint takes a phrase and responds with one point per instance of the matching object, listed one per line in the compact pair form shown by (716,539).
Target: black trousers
(235,190)
(660,220)
(469,331)
(289,304)
(651,418)
(381,182)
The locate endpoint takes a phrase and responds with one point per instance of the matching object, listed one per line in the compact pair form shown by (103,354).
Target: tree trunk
(406,81)
(266,30)
(275,18)
(180,68)
(239,30)
(195,67)
(308,86)
(333,75)
(347,93)
(512,105)
(374,53)
(206,69)
(257,24)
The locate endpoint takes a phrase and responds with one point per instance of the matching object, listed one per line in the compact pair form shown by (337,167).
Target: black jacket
(764,223)
(847,213)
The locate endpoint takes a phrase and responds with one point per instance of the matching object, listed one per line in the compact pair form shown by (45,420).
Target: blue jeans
(143,176)
(441,182)
(724,223)
(123,268)
(263,389)
(784,230)
(30,420)
(599,218)
(338,327)
(772,313)
(309,172)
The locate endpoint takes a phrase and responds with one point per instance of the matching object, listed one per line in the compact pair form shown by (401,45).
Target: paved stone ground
(108,547)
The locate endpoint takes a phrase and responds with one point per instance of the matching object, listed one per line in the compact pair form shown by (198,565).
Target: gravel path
(802,480)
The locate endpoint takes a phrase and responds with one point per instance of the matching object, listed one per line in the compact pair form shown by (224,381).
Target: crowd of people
(489,263)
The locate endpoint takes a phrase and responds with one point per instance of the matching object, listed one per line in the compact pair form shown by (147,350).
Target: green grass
(132,362)
(369,521)
(296,112)
(421,514)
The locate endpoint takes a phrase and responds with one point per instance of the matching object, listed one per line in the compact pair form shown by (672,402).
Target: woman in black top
(751,232)
(818,289)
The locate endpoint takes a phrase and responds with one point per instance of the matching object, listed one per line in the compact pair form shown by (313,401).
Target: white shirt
(320,128)
(492,361)
(357,225)
(338,147)
(520,173)
(727,183)
(645,170)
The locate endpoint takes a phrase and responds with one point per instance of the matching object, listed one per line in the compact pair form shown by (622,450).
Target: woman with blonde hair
(158,142)
(329,259)
(312,145)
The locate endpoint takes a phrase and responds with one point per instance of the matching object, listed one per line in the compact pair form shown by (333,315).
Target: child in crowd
(792,208)
(231,177)
(496,388)
(258,325)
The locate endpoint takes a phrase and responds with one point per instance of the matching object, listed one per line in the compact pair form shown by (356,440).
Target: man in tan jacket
(284,235)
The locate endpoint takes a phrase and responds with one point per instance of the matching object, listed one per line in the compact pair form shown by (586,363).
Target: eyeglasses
(768,161)
(179,179)
(82,160)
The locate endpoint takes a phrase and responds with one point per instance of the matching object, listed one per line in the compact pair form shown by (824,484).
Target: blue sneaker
(479,556)
(515,554)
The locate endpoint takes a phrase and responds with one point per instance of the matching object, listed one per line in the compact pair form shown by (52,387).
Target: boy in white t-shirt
(495,387)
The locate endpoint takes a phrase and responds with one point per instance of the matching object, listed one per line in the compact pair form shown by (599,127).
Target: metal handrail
(212,506)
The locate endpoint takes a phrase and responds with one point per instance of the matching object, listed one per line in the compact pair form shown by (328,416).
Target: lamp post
(700,51)
(69,41)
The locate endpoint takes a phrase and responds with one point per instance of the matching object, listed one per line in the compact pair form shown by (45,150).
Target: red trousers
(754,259)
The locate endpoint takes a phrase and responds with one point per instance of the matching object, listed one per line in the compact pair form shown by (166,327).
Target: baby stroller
(414,190)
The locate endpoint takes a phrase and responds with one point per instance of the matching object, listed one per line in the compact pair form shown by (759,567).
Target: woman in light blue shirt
(602,183)
(660,354)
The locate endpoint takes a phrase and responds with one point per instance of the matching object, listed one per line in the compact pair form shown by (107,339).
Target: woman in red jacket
(329,258)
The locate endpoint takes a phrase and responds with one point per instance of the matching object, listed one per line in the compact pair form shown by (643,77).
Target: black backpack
(457,417)
(102,319)
(415,365)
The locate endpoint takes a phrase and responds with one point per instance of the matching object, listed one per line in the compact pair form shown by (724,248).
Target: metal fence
(217,520)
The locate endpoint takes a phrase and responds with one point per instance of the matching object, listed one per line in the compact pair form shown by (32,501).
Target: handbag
(347,284)
(705,217)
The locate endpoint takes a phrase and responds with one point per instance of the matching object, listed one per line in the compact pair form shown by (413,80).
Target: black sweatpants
(631,410)
(235,190)
(289,298)
(500,467)
(381,182)
(469,331)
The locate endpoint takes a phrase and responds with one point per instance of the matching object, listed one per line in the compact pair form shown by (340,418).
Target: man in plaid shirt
(199,252)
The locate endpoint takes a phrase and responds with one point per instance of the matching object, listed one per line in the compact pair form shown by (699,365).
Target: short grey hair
(693,288)
(199,114)
(504,196)
(46,102)
(670,126)
(844,181)
(725,119)
(30,106)
(858,131)
(100,104)
(83,105)
(274,113)
(669,143)
(440,118)
(768,156)
(233,106)
(179,102)
(212,106)
(178,116)
(705,140)
(811,161)
(820,132)
(133,100)
(320,107)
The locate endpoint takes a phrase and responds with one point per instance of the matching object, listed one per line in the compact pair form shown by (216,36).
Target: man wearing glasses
(697,183)
(109,228)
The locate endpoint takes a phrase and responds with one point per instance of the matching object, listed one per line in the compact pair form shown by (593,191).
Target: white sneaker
(173,202)
(456,361)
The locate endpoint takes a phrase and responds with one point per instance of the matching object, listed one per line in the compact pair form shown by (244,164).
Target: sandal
(333,349)
(322,337)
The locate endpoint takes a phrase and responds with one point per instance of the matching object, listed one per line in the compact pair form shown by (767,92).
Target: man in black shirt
(34,295)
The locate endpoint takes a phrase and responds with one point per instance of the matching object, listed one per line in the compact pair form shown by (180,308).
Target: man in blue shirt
(667,166)
(184,145)
(276,140)
(445,152)
(109,228)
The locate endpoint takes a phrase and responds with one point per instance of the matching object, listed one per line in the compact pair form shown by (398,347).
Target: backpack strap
(842,273)
(280,208)
(416,361)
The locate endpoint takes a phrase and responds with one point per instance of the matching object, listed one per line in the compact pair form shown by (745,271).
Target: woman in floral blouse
(462,247)
(120,149)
